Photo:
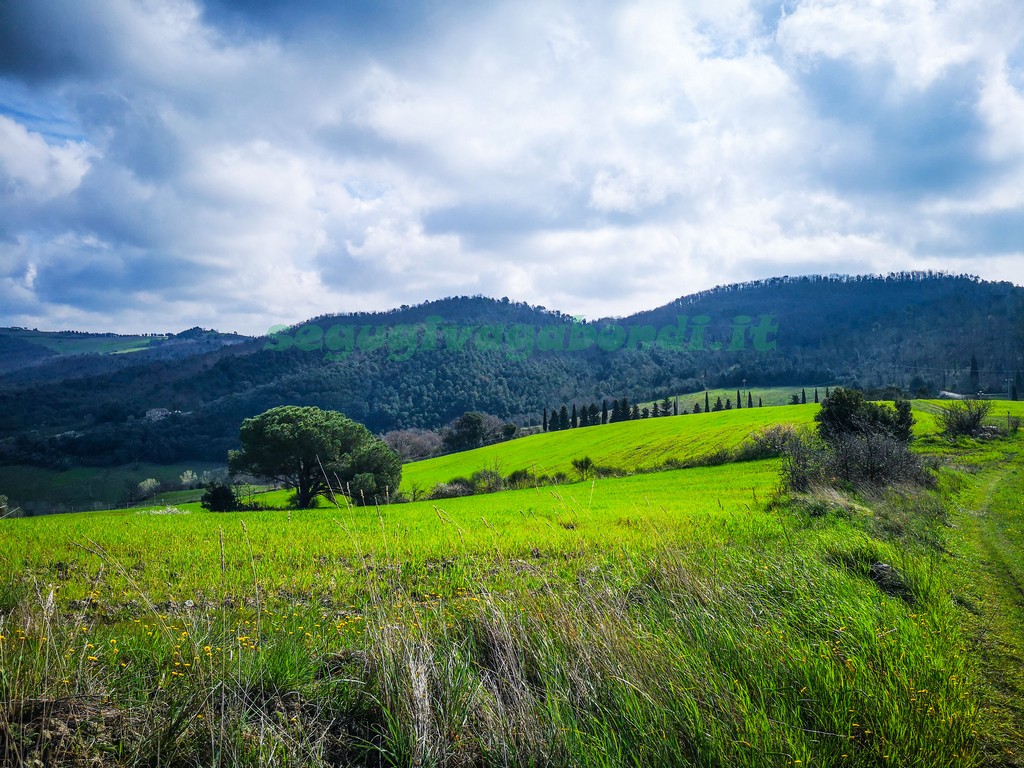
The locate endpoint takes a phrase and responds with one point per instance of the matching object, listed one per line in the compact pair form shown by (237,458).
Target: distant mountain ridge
(426,364)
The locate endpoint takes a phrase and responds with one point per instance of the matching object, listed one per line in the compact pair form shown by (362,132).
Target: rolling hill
(422,366)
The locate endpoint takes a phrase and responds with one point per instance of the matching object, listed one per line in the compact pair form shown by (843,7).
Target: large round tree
(313,451)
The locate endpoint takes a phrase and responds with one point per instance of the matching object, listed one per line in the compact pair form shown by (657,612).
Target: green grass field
(628,446)
(685,617)
(767,395)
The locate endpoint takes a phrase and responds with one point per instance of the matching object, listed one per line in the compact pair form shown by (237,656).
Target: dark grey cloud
(52,39)
(907,143)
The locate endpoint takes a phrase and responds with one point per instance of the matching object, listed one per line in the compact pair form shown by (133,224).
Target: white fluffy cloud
(239,166)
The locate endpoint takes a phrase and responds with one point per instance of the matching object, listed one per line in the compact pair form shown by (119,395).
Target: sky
(238,164)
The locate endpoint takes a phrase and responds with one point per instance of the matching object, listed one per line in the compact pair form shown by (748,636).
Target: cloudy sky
(242,163)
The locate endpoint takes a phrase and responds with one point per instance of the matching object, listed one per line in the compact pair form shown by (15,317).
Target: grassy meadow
(686,617)
(627,446)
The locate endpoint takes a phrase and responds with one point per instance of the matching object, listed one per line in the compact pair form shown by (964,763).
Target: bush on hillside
(873,460)
(845,412)
(964,417)
(220,497)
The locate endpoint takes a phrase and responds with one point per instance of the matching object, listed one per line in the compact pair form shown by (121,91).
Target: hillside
(653,619)
(424,365)
(627,446)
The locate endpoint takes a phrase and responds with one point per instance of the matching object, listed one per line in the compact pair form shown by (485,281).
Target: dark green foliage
(845,412)
(584,467)
(604,411)
(1013,392)
(739,399)
(794,399)
(750,400)
(574,419)
(545,426)
(718,406)
(634,412)
(563,418)
(220,497)
(311,451)
(803,396)
(696,407)
(975,376)
(844,328)
(816,395)
(466,432)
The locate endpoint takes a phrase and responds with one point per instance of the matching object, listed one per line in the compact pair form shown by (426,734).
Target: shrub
(487,481)
(521,478)
(964,417)
(873,459)
(846,412)
(802,461)
(584,467)
(220,497)
(452,489)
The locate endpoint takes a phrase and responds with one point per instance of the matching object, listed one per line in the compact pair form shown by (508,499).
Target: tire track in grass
(994,541)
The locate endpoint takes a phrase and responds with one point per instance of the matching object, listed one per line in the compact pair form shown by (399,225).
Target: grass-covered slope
(628,446)
(674,619)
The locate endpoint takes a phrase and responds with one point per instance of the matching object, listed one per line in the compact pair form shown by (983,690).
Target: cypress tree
(707,405)
(815,394)
(803,397)
(739,399)
(626,413)
(675,407)
(593,415)
(575,419)
(563,418)
(666,406)
(553,421)
(750,400)
(635,412)
(826,392)
(718,405)
(545,419)
(759,403)
(728,404)
(696,407)
(604,411)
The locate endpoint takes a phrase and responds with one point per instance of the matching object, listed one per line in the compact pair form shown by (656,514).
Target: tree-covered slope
(424,365)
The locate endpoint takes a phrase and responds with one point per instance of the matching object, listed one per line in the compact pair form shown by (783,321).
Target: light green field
(679,618)
(628,446)
(768,396)
(695,505)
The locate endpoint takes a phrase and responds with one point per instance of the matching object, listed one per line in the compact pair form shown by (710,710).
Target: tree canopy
(313,451)
(846,412)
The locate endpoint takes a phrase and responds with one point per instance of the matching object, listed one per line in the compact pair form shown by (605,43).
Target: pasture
(685,617)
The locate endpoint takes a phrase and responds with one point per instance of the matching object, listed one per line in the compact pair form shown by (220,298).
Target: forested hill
(426,364)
